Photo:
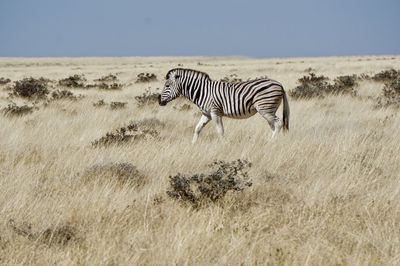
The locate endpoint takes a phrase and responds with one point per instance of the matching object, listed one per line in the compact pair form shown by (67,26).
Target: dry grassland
(327,193)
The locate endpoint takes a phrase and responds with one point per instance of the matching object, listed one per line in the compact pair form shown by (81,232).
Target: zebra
(237,100)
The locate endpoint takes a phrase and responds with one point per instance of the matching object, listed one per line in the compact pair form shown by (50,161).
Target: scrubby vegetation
(112,86)
(4,81)
(31,88)
(107,78)
(133,131)
(146,77)
(63,95)
(75,81)
(200,189)
(118,105)
(15,110)
(390,95)
(343,85)
(387,75)
(147,97)
(120,173)
(313,86)
(99,103)
(59,235)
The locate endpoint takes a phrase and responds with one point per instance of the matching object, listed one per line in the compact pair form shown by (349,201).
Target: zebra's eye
(177,76)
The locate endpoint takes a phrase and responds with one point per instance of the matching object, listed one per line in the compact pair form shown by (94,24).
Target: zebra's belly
(241,115)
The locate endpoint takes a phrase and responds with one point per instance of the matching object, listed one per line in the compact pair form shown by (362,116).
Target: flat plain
(326,193)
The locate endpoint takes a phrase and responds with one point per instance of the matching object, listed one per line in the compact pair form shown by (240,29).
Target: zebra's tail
(286,113)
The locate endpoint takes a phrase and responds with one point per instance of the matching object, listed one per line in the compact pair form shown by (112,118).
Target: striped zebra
(235,100)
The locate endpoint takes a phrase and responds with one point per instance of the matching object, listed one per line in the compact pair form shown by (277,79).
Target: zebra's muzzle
(161,102)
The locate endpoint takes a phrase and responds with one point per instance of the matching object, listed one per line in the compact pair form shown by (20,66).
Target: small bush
(147,98)
(232,78)
(59,235)
(108,78)
(99,103)
(14,110)
(122,173)
(387,75)
(63,95)
(311,86)
(390,95)
(105,86)
(133,131)
(56,235)
(200,189)
(30,88)
(75,81)
(4,81)
(146,77)
(118,105)
(343,85)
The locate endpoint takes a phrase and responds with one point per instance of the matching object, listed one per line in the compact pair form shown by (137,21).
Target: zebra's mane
(187,70)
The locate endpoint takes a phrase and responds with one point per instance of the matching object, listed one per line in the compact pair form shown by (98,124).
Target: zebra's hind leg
(204,119)
(218,124)
(274,122)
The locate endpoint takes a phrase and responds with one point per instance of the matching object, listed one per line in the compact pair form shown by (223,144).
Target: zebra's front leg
(204,119)
(218,124)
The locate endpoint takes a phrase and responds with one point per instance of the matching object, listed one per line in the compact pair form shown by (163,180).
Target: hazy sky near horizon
(252,28)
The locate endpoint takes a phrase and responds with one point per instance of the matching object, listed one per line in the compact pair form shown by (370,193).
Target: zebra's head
(172,88)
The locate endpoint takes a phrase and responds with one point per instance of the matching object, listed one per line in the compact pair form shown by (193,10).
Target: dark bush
(146,77)
(105,86)
(311,86)
(133,131)
(108,78)
(122,173)
(343,85)
(55,235)
(75,81)
(30,88)
(118,105)
(14,110)
(59,235)
(200,189)
(387,75)
(63,95)
(4,81)
(390,95)
(147,98)
(99,103)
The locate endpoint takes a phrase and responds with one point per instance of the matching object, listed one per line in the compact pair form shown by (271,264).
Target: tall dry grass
(327,193)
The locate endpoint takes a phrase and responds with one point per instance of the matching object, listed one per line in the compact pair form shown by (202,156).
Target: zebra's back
(243,99)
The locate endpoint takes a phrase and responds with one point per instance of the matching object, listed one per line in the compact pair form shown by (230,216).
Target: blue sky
(211,28)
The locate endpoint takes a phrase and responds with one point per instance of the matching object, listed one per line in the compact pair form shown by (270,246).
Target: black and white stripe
(235,100)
